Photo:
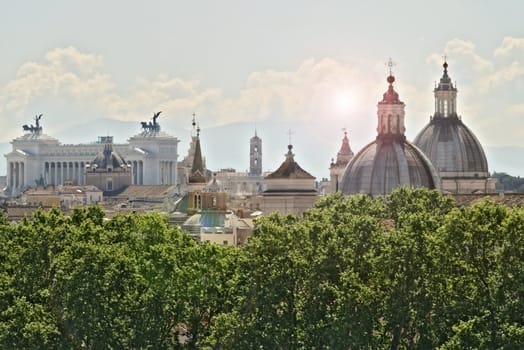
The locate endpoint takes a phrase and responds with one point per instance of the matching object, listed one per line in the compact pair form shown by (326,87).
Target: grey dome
(383,165)
(452,148)
(214,185)
(449,144)
(390,161)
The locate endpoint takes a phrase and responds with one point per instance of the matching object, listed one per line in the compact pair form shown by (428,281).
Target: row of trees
(406,271)
(508,183)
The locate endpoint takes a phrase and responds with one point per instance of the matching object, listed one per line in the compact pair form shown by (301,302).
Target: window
(256,148)
(197,201)
(109,184)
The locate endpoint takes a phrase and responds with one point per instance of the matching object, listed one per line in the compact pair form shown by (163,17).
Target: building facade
(289,189)
(39,159)
(108,171)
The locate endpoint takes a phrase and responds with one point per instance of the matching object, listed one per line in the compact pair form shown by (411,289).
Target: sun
(342,101)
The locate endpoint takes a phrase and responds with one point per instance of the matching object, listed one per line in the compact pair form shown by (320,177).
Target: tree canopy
(404,271)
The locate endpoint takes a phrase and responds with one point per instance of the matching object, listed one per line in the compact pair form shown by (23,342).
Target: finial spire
(445,65)
(391,78)
(289,133)
(390,65)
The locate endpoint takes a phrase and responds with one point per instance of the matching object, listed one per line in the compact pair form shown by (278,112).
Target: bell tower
(255,155)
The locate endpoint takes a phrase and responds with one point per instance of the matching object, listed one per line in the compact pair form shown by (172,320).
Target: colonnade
(16,175)
(62,172)
(58,173)
(137,167)
(167,172)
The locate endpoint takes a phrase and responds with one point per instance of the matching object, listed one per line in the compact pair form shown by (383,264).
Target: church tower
(336,169)
(255,156)
(197,179)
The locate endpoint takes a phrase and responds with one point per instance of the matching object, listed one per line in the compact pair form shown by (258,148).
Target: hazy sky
(312,66)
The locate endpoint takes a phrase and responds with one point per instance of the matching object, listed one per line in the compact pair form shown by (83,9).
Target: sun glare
(343,103)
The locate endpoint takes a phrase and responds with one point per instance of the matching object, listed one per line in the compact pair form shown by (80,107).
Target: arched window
(198,201)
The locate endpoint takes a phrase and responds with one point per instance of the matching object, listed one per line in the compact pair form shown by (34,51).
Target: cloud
(517,109)
(509,44)
(487,74)
(303,95)
(501,76)
(65,72)
(489,90)
(74,82)
(163,93)
(461,50)
(290,94)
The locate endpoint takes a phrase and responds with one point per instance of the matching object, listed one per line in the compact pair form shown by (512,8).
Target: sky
(313,67)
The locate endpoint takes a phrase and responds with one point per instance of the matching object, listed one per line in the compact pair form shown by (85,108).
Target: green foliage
(404,271)
(508,183)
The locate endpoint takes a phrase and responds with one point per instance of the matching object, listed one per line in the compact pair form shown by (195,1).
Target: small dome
(108,158)
(290,169)
(383,165)
(214,185)
(452,147)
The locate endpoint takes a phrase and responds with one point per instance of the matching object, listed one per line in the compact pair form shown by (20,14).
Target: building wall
(465,186)
(287,204)
(118,179)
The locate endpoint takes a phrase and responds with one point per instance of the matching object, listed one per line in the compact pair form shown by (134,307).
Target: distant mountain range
(227,146)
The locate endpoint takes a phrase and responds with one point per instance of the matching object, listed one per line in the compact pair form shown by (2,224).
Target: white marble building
(39,159)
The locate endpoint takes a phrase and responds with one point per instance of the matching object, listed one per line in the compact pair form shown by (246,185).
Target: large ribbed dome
(452,148)
(449,144)
(382,166)
(390,161)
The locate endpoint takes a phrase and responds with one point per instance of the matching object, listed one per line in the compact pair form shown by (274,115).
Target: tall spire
(197,168)
(445,96)
(391,112)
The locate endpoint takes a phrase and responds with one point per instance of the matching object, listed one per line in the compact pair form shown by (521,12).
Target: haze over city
(313,68)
